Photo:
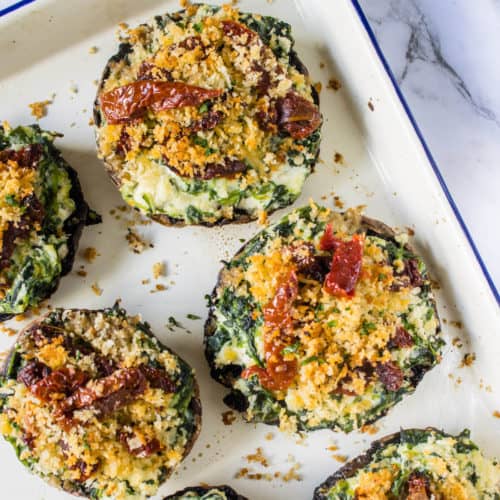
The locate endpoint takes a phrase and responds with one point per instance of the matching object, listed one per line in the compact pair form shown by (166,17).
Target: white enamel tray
(44,50)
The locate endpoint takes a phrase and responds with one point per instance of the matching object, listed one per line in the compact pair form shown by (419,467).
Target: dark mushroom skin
(322,320)
(43,215)
(92,402)
(416,464)
(222,492)
(245,149)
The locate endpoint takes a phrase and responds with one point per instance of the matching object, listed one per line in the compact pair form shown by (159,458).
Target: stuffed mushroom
(42,213)
(323,320)
(416,464)
(207,116)
(93,403)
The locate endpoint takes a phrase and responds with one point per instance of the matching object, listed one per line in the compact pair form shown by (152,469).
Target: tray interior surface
(45,51)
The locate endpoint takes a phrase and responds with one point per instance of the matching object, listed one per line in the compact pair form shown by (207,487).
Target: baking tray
(387,167)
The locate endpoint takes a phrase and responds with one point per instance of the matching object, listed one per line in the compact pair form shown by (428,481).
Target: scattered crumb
(93,50)
(245,473)
(123,26)
(318,86)
(459,380)
(258,457)
(457,342)
(496,414)
(96,289)
(73,88)
(158,288)
(89,254)
(333,447)
(263,218)
(369,429)
(135,242)
(95,82)
(435,284)
(6,126)
(292,475)
(269,436)
(321,64)
(145,282)
(468,359)
(371,106)
(91,122)
(81,273)
(39,109)
(338,202)
(159,269)
(338,158)
(334,84)
(8,331)
(228,417)
(340,458)
(456,324)
(410,231)
(20,317)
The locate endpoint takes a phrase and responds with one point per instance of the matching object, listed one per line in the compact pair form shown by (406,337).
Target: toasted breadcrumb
(89,254)
(228,417)
(340,458)
(93,50)
(317,87)
(91,122)
(334,84)
(8,331)
(496,414)
(159,269)
(81,273)
(145,282)
(96,289)
(369,429)
(135,242)
(258,457)
(468,359)
(292,475)
(39,109)
(338,202)
(338,158)
(333,447)
(457,324)
(123,26)
(269,436)
(21,317)
(263,218)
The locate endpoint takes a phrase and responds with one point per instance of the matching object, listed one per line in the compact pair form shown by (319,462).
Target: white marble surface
(444,54)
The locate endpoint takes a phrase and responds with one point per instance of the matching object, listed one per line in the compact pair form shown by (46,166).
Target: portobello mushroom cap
(223,492)
(112,409)
(217,160)
(327,361)
(43,214)
(409,470)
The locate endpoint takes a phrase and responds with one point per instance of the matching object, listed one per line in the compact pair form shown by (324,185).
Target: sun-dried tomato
(411,269)
(308,263)
(227,169)
(149,71)
(401,338)
(158,378)
(107,394)
(278,373)
(32,373)
(297,116)
(238,32)
(28,156)
(60,382)
(345,268)
(191,42)
(143,451)
(390,374)
(208,122)
(130,101)
(418,487)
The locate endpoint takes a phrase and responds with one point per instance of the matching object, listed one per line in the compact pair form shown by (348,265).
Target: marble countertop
(443,54)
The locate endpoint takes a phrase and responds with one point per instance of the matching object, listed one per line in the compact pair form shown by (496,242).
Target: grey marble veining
(444,54)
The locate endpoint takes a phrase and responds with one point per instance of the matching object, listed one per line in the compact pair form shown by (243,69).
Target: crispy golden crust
(195,404)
